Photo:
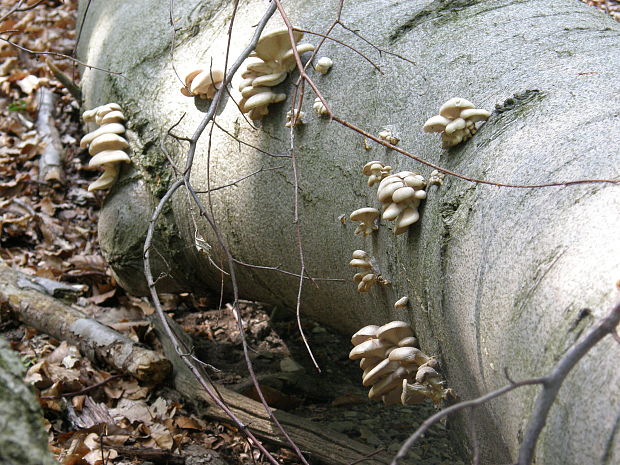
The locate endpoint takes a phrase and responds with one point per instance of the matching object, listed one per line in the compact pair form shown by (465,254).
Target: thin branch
(289,273)
(380,50)
(234,183)
(462,176)
(56,54)
(228,133)
(305,31)
(83,391)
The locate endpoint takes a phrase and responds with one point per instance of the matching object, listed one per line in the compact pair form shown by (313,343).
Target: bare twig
(551,385)
(83,391)
(325,36)
(56,54)
(462,176)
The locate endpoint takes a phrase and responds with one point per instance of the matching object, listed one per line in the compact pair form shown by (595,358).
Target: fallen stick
(318,442)
(95,340)
(50,162)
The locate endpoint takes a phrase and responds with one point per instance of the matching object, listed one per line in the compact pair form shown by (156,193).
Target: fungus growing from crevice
(105,144)
(366,216)
(299,118)
(401,303)
(389,136)
(323,65)
(203,83)
(401,194)
(272,59)
(365,277)
(396,370)
(376,171)
(456,121)
(319,108)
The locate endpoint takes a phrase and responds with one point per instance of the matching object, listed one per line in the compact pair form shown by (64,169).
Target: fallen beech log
(95,340)
(50,163)
(319,443)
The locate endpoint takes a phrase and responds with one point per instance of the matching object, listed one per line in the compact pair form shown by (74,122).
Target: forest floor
(48,229)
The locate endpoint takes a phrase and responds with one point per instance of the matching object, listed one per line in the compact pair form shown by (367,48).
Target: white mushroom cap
(107,179)
(407,217)
(410,341)
(385,191)
(436,123)
(115,116)
(360,263)
(403,193)
(369,348)
(475,114)
(288,59)
(372,166)
(109,156)
(394,331)
(269,79)
(368,363)
(456,125)
(104,110)
(408,356)
(427,374)
(393,380)
(107,141)
(364,334)
(273,45)
(360,254)
(367,217)
(263,99)
(401,303)
(366,282)
(383,369)
(205,82)
(323,65)
(392,211)
(115,128)
(453,107)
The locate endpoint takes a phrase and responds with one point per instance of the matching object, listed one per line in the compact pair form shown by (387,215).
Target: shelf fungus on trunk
(401,194)
(269,64)
(105,144)
(203,83)
(376,172)
(396,370)
(456,121)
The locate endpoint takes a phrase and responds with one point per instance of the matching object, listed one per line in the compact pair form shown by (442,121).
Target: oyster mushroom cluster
(396,370)
(105,144)
(401,194)
(203,83)
(267,67)
(367,217)
(456,121)
(366,277)
(376,171)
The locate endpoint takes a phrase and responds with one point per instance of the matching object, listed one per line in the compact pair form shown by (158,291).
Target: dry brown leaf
(190,423)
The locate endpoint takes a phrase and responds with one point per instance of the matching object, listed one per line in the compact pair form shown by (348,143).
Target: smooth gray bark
(22,438)
(497,278)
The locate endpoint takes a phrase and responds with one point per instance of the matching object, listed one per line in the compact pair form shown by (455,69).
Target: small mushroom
(394,331)
(318,107)
(401,303)
(409,356)
(323,65)
(369,348)
(299,115)
(381,370)
(456,121)
(366,277)
(413,393)
(388,136)
(203,83)
(366,216)
(376,171)
(364,334)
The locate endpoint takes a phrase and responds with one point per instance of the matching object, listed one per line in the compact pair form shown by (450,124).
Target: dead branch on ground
(51,160)
(95,340)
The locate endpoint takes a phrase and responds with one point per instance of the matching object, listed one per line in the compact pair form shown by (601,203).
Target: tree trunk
(496,277)
(22,438)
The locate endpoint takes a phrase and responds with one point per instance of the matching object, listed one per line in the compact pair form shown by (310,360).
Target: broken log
(51,160)
(319,443)
(95,340)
